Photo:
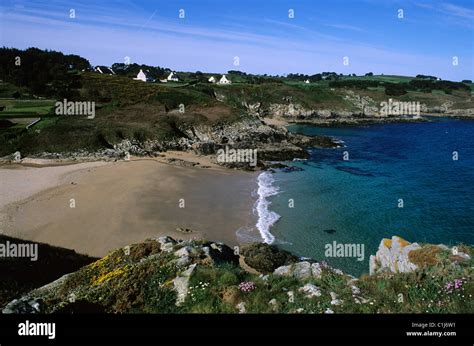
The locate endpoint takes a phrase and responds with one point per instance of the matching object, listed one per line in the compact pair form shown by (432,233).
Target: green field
(26,108)
(381,78)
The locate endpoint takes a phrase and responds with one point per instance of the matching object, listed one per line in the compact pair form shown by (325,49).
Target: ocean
(414,180)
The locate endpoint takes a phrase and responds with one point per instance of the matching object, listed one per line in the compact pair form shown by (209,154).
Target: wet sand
(124,202)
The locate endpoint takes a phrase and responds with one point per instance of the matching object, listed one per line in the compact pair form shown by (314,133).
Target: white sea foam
(266,217)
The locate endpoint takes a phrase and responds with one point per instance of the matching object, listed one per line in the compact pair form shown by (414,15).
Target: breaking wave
(266,217)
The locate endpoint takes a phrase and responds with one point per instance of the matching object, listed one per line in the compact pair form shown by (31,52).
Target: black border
(246,329)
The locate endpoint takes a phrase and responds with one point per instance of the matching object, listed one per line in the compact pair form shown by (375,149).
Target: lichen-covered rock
(334,299)
(181,284)
(393,255)
(284,271)
(302,270)
(167,243)
(184,256)
(316,270)
(310,291)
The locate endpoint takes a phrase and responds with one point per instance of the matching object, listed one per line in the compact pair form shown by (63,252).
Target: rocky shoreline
(273,143)
(262,128)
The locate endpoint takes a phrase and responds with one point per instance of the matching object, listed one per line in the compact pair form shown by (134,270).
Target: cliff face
(168,276)
(353,107)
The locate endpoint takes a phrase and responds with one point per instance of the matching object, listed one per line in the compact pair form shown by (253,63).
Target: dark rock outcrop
(266,258)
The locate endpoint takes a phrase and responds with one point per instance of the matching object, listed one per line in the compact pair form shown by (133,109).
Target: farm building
(172,77)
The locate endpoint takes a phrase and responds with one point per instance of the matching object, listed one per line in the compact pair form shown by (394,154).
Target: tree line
(43,72)
(398,89)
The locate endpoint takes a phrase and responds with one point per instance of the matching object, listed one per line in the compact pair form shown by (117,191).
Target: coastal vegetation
(197,276)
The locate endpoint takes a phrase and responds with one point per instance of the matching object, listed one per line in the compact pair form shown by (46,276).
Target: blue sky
(259,32)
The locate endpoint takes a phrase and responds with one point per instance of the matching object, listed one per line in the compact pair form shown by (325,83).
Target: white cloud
(458,11)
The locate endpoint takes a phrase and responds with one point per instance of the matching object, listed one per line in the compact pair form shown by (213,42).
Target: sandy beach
(95,207)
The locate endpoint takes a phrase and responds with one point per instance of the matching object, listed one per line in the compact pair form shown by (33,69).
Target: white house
(212,80)
(172,77)
(141,76)
(107,70)
(307,81)
(224,80)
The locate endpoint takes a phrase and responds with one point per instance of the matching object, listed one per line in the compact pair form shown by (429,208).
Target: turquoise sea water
(357,201)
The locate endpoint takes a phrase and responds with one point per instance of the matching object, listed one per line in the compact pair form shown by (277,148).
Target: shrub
(266,258)
(392,89)
(426,256)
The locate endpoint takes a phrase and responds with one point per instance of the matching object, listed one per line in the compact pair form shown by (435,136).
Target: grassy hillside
(129,109)
(125,109)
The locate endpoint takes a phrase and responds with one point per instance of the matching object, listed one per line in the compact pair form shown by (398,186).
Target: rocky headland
(272,142)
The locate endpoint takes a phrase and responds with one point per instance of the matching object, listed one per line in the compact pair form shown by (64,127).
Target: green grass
(26,108)
(382,78)
(44,123)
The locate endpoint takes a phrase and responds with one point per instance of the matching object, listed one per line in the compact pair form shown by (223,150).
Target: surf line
(266,217)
